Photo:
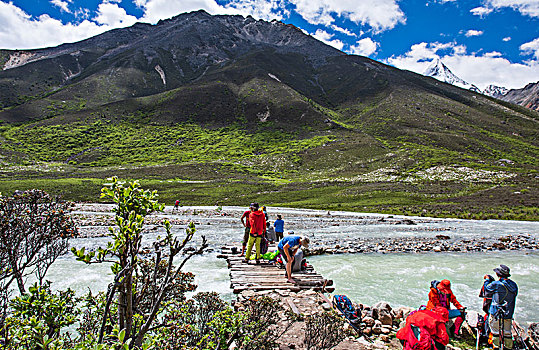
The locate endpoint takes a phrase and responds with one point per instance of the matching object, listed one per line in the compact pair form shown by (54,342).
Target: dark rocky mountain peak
(528,96)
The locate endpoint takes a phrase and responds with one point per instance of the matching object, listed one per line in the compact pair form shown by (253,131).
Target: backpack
(264,244)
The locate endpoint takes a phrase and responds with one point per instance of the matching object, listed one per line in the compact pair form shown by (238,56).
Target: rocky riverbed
(330,233)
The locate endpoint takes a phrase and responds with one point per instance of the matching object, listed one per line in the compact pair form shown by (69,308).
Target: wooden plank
(317,283)
(292,288)
(314,282)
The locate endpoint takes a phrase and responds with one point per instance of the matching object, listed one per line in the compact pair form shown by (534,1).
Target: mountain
(439,70)
(227,109)
(528,96)
(495,91)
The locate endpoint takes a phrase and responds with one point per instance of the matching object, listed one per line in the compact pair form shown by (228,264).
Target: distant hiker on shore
(288,246)
(176,204)
(504,293)
(279,227)
(247,225)
(257,221)
(440,295)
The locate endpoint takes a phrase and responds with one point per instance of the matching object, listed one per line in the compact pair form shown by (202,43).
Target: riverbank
(336,232)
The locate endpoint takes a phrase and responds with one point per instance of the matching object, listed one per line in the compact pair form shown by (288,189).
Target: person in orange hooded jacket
(441,295)
(257,220)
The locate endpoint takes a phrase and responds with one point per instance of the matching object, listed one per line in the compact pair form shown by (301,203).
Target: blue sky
(482,41)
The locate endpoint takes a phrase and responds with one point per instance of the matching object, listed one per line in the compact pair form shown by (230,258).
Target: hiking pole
(478,335)
(520,339)
(500,332)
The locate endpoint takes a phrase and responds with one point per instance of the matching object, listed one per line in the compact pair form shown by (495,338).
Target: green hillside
(303,126)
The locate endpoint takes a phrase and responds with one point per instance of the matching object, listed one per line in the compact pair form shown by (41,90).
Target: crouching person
(288,246)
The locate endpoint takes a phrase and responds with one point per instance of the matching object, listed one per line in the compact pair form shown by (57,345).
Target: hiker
(288,246)
(247,225)
(257,222)
(270,233)
(176,204)
(279,227)
(504,293)
(441,295)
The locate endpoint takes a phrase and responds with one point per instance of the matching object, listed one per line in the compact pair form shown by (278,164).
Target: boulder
(383,312)
(382,305)
(367,312)
(369,321)
(402,312)
(385,318)
(377,330)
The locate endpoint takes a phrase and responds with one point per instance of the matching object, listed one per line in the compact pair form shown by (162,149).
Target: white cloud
(364,47)
(493,54)
(481,70)
(112,15)
(63,5)
(325,37)
(481,11)
(507,38)
(41,32)
(380,15)
(342,30)
(525,7)
(473,32)
(530,48)
(155,10)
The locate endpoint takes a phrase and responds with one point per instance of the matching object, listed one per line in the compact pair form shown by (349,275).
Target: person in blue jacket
(279,227)
(504,293)
(288,246)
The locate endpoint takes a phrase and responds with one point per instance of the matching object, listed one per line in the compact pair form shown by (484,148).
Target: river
(400,279)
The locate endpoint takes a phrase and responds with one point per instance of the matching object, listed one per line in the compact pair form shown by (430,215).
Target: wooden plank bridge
(269,276)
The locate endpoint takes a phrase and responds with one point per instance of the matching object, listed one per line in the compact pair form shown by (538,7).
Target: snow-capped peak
(440,71)
(495,91)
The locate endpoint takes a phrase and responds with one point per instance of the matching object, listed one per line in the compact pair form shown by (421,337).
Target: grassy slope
(359,138)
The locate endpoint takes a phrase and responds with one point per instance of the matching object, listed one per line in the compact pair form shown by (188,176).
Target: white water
(404,279)
(400,279)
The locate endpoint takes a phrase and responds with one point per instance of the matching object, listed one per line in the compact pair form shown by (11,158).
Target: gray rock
(369,321)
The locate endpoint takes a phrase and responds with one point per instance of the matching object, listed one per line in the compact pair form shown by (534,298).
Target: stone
(385,338)
(385,319)
(385,330)
(367,330)
(369,321)
(382,305)
(437,249)
(377,330)
(326,306)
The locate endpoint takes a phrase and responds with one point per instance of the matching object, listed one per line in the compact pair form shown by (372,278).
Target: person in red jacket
(257,220)
(440,295)
(245,221)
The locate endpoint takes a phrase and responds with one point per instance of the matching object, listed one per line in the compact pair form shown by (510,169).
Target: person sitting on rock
(288,246)
(440,295)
